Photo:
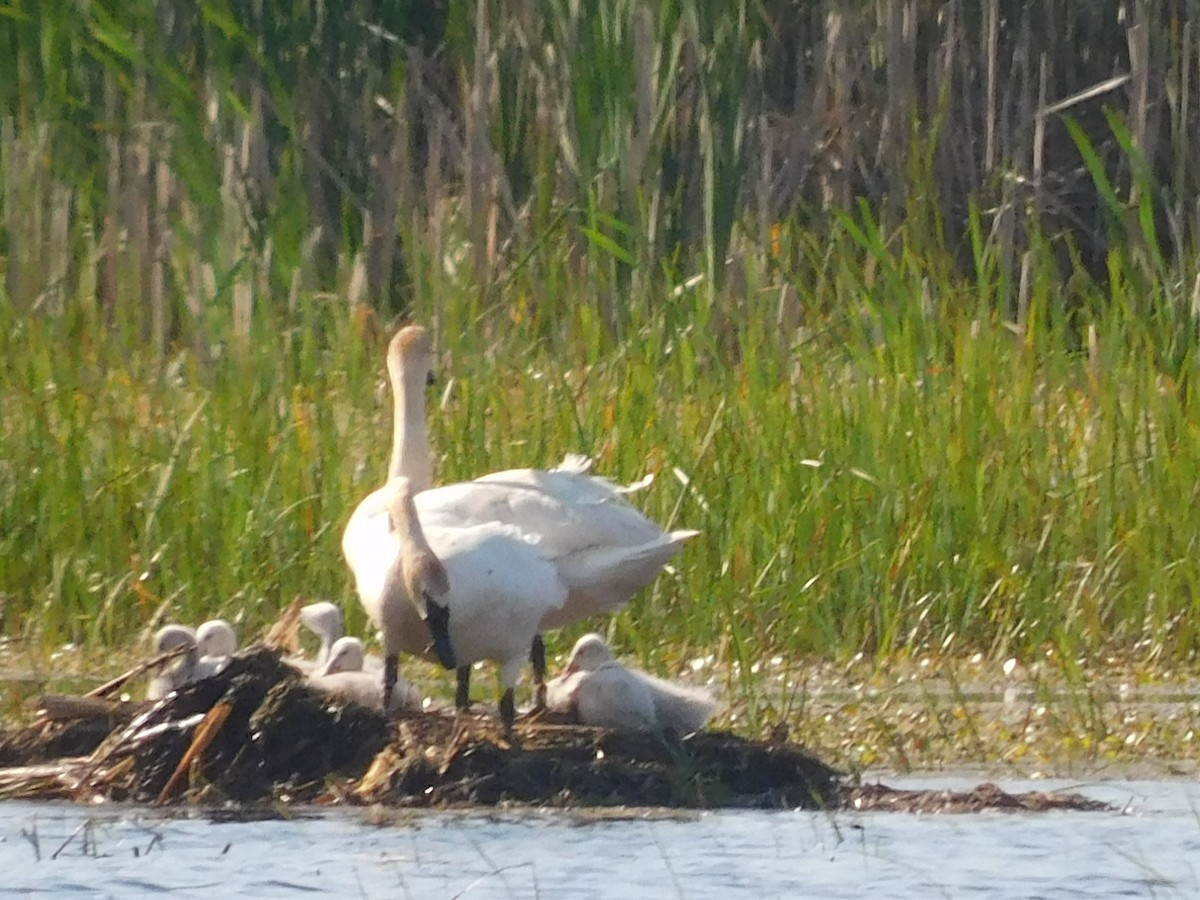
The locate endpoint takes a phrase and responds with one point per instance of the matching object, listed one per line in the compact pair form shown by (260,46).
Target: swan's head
(216,638)
(324,619)
(589,653)
(171,636)
(410,354)
(347,655)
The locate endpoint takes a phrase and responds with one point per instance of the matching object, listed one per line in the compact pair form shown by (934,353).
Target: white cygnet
(600,691)
(177,672)
(342,676)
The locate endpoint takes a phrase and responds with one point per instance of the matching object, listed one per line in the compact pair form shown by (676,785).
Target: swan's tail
(601,580)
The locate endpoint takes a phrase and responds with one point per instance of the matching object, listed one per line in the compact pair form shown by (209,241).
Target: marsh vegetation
(897,300)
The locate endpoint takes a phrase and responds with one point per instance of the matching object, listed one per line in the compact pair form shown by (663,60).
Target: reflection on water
(1151,849)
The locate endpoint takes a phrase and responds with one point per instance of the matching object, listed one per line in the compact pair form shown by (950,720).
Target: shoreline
(896,717)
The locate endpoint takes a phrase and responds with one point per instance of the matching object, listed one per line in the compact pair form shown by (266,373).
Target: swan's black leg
(462,696)
(537,656)
(508,710)
(391,672)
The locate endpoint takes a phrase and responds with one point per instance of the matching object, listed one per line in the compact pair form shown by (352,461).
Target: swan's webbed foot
(537,656)
(391,672)
(462,694)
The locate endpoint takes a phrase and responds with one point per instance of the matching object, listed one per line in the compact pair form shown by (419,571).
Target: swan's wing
(559,521)
(576,464)
(567,486)
(603,579)
(500,588)
(495,570)
(611,697)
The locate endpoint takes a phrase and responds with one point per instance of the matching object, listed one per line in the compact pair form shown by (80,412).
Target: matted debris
(876,797)
(257,733)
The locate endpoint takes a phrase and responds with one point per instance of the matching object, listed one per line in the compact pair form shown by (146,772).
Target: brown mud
(256,734)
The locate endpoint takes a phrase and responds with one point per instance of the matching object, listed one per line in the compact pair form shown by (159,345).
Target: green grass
(894,476)
(922,400)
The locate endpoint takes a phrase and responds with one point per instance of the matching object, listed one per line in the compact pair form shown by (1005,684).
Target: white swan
(407,621)
(342,675)
(179,671)
(604,549)
(600,691)
(485,585)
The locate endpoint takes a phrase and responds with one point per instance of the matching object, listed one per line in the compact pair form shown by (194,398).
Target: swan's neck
(405,522)
(419,563)
(410,433)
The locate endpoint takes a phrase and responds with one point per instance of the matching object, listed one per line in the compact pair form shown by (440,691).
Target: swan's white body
(494,586)
(372,550)
(604,549)
(179,671)
(602,692)
(342,675)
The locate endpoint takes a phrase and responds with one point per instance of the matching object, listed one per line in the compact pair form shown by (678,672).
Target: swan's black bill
(437,617)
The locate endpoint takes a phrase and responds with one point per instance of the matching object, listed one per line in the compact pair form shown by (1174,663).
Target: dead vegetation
(257,734)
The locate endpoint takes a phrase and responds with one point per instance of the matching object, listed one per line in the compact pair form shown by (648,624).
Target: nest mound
(256,733)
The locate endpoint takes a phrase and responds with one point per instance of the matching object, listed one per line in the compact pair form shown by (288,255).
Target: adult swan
(604,550)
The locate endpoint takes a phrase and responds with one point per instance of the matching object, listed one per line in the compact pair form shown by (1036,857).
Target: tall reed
(897,301)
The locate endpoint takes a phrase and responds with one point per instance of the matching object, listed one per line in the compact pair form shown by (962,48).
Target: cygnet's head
(410,354)
(216,638)
(171,636)
(323,619)
(589,653)
(346,655)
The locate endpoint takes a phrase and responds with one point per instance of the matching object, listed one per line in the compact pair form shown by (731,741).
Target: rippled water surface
(1149,849)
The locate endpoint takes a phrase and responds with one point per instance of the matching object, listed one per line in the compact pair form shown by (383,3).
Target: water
(1151,849)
